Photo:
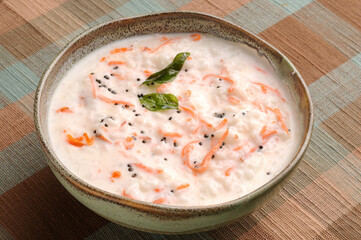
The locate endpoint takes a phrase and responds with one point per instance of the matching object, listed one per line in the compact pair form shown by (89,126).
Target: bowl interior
(168,23)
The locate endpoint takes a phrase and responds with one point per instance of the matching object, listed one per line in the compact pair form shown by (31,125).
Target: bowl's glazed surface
(148,216)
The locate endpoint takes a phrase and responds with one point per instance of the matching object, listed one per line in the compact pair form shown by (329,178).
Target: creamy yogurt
(234,130)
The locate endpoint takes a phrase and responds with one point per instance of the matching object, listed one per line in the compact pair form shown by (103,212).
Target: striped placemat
(322,38)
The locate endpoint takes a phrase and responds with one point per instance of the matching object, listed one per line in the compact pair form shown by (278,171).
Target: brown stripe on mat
(32,9)
(15,123)
(236,230)
(24,41)
(348,226)
(9,19)
(52,26)
(311,54)
(26,104)
(349,10)
(309,212)
(40,208)
(345,125)
(303,176)
(217,8)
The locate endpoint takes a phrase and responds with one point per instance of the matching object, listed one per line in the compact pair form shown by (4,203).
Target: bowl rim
(96,192)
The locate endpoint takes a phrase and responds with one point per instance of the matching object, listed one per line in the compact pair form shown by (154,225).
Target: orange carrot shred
(109,100)
(64,109)
(160,46)
(148,169)
(120,50)
(196,37)
(73,141)
(279,116)
(233,100)
(158,189)
(161,88)
(230,89)
(238,148)
(159,201)
(103,59)
(111,63)
(205,163)
(261,70)
(269,134)
(104,139)
(265,87)
(127,195)
(221,125)
(93,86)
(170,134)
(194,115)
(116,174)
(89,141)
(186,148)
(147,73)
(183,186)
(228,171)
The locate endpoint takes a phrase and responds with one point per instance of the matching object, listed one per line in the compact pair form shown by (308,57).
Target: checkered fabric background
(322,38)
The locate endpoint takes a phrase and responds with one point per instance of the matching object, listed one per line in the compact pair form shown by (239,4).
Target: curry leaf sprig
(163,101)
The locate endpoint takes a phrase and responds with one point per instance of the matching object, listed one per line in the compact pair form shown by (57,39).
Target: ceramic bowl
(147,216)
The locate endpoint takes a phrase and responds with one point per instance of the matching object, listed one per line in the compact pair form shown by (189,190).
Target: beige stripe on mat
(312,55)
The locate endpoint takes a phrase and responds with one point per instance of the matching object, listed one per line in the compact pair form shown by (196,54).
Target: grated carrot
(183,186)
(148,169)
(205,163)
(161,88)
(89,141)
(103,59)
(221,125)
(206,123)
(169,41)
(238,148)
(170,134)
(265,87)
(73,141)
(230,89)
(127,195)
(104,138)
(93,86)
(64,109)
(261,70)
(159,201)
(269,134)
(186,148)
(120,50)
(158,189)
(279,116)
(116,174)
(147,73)
(196,37)
(111,63)
(228,171)
(109,100)
(188,93)
(233,100)
(194,115)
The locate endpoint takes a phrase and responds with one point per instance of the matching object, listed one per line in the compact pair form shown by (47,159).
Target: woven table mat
(322,38)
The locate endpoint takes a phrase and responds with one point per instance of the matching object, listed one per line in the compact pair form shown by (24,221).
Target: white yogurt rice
(234,130)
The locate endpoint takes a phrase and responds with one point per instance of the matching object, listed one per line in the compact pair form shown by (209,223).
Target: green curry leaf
(159,101)
(169,73)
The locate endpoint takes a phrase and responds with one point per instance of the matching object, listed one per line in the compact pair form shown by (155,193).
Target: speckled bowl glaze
(147,216)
